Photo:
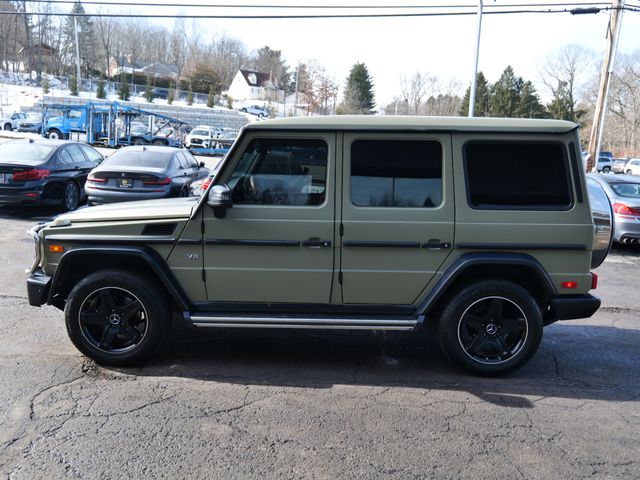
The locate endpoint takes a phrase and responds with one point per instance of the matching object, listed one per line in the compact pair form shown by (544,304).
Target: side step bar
(289,321)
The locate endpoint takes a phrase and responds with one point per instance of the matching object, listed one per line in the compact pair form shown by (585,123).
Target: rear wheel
(7,126)
(491,327)
(159,142)
(139,141)
(606,169)
(71,197)
(116,318)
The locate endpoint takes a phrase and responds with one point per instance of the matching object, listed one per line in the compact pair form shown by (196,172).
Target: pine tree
(100,91)
(529,105)
(124,92)
(73,86)
(210,98)
(506,94)
(483,98)
(171,94)
(45,85)
(190,96)
(358,93)
(86,39)
(148,90)
(562,106)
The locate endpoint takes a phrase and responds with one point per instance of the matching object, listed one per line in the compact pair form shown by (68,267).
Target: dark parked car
(32,124)
(45,172)
(624,194)
(142,173)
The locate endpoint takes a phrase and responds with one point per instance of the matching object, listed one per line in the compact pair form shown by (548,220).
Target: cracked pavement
(275,405)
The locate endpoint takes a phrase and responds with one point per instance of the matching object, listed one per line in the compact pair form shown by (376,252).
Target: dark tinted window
(281,172)
(93,156)
(517,175)
(76,155)
(25,153)
(396,173)
(151,159)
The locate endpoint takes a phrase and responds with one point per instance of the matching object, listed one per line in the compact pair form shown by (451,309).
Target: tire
(159,142)
(6,126)
(606,169)
(491,328)
(184,192)
(70,197)
(116,318)
(54,135)
(629,172)
(244,110)
(139,141)
(261,116)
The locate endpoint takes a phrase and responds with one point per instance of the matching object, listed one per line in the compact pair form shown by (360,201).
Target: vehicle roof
(393,122)
(150,148)
(46,141)
(611,178)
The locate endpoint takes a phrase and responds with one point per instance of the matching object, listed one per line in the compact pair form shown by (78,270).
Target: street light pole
(474,79)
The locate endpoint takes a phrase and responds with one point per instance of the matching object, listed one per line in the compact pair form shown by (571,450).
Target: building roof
(408,123)
(158,68)
(256,79)
(126,61)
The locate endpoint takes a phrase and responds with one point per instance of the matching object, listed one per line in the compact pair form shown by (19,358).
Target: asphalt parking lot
(243,404)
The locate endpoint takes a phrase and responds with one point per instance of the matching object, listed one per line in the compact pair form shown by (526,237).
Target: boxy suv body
(481,227)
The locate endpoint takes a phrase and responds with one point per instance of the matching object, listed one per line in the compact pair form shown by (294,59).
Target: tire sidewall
(65,203)
(147,293)
(455,309)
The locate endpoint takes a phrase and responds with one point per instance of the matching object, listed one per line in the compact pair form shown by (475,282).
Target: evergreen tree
(124,92)
(190,96)
(562,106)
(171,94)
(73,86)
(483,98)
(210,98)
(100,91)
(148,90)
(45,85)
(529,105)
(86,40)
(358,93)
(506,94)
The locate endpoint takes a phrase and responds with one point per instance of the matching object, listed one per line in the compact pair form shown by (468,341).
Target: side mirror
(220,200)
(201,164)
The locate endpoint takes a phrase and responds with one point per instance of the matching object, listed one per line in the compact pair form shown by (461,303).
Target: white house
(249,85)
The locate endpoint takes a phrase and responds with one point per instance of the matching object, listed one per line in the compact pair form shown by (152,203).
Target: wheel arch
(519,268)
(80,262)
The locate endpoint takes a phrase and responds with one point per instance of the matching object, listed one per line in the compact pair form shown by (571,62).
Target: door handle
(316,243)
(435,244)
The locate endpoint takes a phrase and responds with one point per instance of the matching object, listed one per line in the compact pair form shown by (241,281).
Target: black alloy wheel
(117,317)
(491,327)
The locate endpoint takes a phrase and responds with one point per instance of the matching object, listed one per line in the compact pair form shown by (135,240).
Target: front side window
(288,172)
(396,173)
(517,176)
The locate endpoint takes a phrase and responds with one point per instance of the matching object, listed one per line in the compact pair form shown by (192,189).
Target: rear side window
(517,176)
(396,173)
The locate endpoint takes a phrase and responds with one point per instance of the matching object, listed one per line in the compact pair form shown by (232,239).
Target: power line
(316,16)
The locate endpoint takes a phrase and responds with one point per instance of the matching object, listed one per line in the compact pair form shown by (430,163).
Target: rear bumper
(572,307)
(38,285)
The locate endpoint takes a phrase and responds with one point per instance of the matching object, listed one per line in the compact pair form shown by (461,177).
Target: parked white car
(202,136)
(632,167)
(11,122)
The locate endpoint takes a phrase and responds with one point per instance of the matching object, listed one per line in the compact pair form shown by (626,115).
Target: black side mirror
(219,200)
(201,164)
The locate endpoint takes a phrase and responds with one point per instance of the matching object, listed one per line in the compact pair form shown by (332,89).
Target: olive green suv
(481,227)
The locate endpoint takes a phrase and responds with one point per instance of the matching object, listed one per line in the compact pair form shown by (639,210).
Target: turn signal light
(569,284)
(56,248)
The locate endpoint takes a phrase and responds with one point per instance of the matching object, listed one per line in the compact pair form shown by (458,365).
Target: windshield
(25,153)
(201,132)
(630,190)
(124,158)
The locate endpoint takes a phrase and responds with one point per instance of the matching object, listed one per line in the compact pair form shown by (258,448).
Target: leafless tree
(414,89)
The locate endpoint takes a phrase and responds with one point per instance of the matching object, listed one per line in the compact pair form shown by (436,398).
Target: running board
(289,321)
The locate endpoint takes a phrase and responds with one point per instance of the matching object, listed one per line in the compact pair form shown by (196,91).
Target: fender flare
(149,257)
(474,259)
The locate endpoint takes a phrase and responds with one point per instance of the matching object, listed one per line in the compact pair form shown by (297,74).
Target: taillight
(33,174)
(622,209)
(91,178)
(205,183)
(594,280)
(159,181)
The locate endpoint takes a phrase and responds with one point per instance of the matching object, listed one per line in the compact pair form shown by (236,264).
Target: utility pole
(613,33)
(295,97)
(474,79)
(75,29)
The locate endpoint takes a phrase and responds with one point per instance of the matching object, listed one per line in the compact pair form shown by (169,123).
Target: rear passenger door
(397,215)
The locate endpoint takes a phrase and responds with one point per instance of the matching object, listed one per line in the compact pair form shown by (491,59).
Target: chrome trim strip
(145,239)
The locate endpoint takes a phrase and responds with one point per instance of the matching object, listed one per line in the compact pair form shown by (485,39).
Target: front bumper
(572,307)
(38,285)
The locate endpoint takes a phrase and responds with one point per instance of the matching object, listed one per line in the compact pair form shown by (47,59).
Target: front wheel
(629,172)
(116,318)
(606,169)
(7,126)
(54,135)
(491,327)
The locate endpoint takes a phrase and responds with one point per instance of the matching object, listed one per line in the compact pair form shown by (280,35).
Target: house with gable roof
(250,85)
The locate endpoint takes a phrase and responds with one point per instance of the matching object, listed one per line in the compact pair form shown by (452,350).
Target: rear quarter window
(517,176)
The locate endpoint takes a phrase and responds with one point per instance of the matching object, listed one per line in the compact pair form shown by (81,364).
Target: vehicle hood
(173,208)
